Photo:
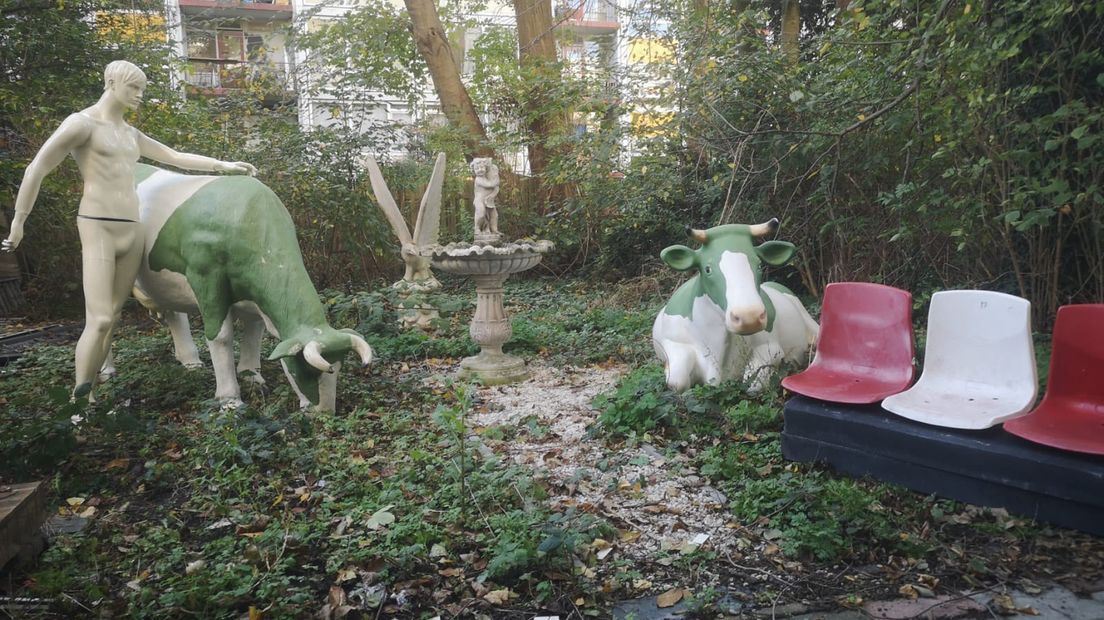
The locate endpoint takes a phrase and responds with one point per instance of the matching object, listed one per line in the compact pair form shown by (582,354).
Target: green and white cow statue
(225,247)
(725,322)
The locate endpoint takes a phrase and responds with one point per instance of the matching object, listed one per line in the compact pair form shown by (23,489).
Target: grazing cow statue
(224,247)
(725,322)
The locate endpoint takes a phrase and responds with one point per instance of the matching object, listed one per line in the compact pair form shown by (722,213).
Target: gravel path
(657,500)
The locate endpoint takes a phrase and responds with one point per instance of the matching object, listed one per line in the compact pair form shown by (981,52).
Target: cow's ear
(286,348)
(776,253)
(679,257)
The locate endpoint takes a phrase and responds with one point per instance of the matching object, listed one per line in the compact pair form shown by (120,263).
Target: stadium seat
(865,348)
(979,363)
(1071,416)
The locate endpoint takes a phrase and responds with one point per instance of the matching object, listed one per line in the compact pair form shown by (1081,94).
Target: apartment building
(231,44)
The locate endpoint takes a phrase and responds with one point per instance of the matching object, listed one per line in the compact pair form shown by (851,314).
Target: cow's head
(729,267)
(314,350)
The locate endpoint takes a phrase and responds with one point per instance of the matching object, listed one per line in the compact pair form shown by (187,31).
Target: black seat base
(989,468)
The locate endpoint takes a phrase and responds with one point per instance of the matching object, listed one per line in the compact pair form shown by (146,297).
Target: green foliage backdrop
(924,145)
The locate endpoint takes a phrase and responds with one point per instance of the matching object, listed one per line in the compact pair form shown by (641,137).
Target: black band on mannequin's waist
(105,219)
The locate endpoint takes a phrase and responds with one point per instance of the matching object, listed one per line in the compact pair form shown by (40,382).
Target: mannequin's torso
(106,160)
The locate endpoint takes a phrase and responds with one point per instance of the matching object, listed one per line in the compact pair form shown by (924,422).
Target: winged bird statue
(427,226)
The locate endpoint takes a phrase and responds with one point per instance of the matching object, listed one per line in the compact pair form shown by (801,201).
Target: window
(254,46)
(600,11)
(201,45)
(216,57)
(218,44)
(231,45)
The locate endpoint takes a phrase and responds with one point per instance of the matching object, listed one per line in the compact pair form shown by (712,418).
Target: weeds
(808,512)
(215,513)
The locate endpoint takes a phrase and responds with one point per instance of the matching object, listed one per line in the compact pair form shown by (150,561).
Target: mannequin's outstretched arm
(73,132)
(159,152)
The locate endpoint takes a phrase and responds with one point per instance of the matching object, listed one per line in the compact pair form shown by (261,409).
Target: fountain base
(491,368)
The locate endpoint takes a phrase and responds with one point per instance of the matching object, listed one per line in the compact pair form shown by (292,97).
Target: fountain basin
(486,260)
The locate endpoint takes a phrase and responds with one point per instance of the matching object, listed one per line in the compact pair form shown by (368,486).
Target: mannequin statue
(106,149)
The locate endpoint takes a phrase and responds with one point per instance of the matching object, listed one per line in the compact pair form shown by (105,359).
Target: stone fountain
(489,262)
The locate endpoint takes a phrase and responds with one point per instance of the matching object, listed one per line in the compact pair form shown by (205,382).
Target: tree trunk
(537,58)
(701,15)
(791,30)
(433,45)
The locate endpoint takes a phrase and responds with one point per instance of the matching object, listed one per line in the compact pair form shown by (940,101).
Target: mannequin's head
(126,82)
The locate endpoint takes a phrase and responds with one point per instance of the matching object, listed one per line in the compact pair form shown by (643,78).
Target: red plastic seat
(864,352)
(1071,416)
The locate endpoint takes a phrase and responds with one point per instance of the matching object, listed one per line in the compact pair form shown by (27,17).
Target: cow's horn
(764,229)
(696,234)
(313,354)
(362,349)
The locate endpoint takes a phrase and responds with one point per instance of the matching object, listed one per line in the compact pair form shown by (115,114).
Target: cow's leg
(183,345)
(222,361)
(327,389)
(765,357)
(249,360)
(108,369)
(679,363)
(710,368)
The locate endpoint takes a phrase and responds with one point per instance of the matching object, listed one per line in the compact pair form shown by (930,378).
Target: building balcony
(257,10)
(221,77)
(588,17)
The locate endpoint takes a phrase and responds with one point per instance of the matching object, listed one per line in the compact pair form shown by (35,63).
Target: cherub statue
(107,150)
(486,189)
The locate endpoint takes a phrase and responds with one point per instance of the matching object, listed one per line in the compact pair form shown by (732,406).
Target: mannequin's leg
(111,253)
(98,277)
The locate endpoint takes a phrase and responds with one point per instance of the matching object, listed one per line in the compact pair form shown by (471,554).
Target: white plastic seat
(979,363)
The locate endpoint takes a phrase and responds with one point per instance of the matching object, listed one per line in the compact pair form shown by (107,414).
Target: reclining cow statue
(224,247)
(725,323)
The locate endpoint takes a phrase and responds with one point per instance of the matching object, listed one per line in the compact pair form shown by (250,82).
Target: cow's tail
(147,302)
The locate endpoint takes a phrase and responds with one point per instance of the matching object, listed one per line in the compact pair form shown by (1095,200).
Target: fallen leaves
(79,507)
(684,547)
(254,528)
(1004,605)
(499,597)
(670,598)
(601,547)
(380,519)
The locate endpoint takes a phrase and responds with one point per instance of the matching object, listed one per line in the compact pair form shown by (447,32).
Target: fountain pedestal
(490,329)
(490,266)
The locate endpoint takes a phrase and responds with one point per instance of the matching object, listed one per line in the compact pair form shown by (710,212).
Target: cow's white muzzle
(747,320)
